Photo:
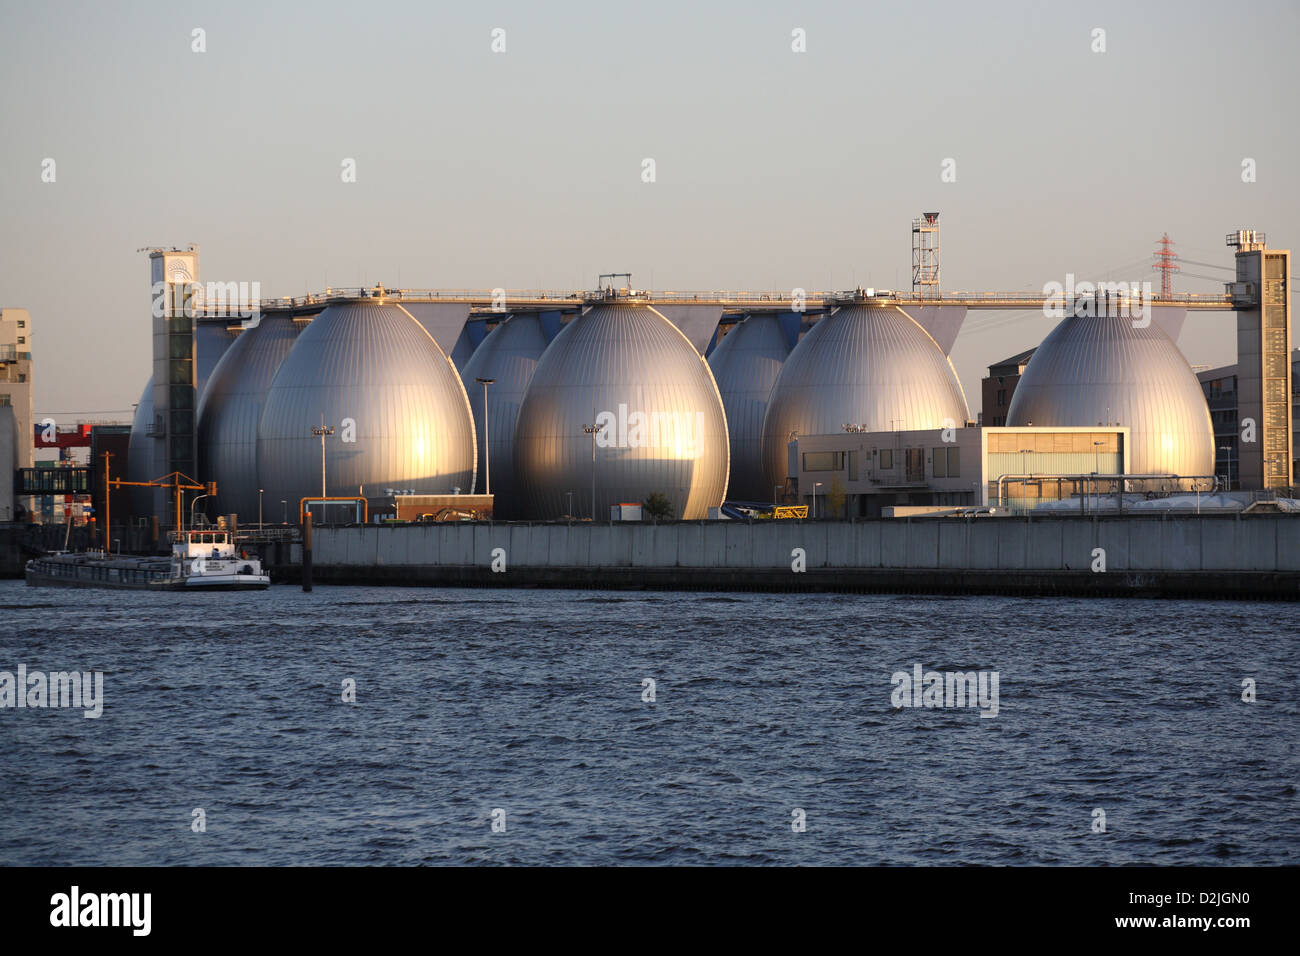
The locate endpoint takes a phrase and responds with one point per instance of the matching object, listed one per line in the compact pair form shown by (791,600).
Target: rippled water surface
(531,702)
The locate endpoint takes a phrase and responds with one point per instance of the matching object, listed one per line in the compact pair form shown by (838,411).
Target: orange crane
(175,480)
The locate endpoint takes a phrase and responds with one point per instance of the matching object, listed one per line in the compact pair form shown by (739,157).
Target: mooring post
(306,551)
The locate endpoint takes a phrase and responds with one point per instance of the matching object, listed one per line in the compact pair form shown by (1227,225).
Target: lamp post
(591,430)
(322,430)
(816,485)
(487,447)
(570,511)
(259,508)
(195,501)
(285,505)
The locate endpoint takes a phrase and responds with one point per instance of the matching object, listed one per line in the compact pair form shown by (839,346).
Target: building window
(914,464)
(4,400)
(22,376)
(22,323)
(947,462)
(22,340)
(823,461)
(887,459)
(1002,396)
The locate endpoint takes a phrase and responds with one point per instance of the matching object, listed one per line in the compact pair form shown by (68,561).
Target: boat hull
(134,574)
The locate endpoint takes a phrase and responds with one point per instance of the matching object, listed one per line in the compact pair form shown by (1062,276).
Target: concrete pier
(1256,556)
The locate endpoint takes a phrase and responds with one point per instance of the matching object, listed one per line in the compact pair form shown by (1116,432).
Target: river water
(527,709)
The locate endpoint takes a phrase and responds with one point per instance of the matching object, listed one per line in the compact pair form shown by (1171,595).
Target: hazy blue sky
(775,169)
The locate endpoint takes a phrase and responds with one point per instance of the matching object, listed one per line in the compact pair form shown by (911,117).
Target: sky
(774,169)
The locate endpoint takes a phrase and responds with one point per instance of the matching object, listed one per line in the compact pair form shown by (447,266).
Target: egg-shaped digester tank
(658,423)
(1098,370)
(139,453)
(400,415)
(745,365)
(230,410)
(861,365)
(508,357)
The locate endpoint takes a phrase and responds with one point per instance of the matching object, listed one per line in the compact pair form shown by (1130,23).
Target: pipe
(1094,476)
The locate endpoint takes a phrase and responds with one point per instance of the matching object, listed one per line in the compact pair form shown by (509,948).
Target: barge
(200,561)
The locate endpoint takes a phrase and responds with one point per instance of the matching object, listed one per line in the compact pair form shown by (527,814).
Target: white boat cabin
(203,544)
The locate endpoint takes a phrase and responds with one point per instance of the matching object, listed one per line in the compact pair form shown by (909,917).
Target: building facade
(16,395)
(998,387)
(857,474)
(1220,386)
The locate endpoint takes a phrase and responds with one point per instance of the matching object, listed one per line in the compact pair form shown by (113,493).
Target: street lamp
(591,430)
(816,485)
(322,430)
(259,509)
(487,447)
(285,505)
(197,499)
(570,511)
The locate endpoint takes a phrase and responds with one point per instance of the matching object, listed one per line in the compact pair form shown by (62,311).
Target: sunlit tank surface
(230,410)
(745,365)
(862,365)
(661,427)
(508,355)
(1094,370)
(401,418)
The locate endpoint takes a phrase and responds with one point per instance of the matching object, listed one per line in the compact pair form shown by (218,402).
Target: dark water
(530,701)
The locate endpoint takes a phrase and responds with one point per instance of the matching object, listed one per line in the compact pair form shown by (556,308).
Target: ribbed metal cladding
(745,365)
(864,366)
(509,355)
(1094,370)
(211,342)
(230,410)
(374,365)
(139,452)
(628,365)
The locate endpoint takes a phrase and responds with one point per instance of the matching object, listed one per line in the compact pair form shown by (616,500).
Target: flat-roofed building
(16,394)
(859,473)
(998,387)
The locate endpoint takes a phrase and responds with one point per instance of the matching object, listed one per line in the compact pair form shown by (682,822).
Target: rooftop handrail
(686,296)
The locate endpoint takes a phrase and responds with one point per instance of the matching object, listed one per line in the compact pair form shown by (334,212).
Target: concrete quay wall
(1256,555)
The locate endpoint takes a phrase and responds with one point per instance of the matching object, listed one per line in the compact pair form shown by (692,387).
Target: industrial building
(1218,384)
(570,403)
(16,447)
(859,473)
(875,368)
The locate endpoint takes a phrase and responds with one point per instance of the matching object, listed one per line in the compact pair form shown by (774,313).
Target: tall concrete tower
(1261,295)
(175,276)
